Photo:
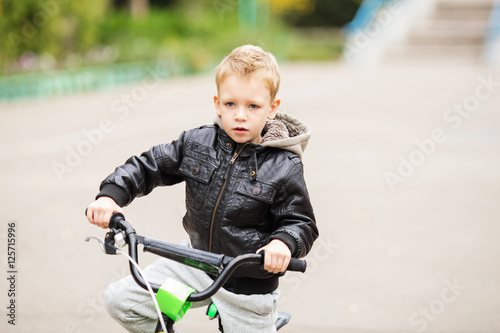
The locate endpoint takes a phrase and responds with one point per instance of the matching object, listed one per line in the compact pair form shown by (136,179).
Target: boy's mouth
(240,130)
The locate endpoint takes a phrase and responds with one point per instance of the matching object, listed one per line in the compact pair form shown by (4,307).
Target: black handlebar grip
(297,265)
(115,219)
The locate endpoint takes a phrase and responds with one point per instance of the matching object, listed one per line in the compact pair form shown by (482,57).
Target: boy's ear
(217,105)
(274,109)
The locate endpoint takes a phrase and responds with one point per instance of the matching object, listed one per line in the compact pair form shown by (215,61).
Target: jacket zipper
(231,163)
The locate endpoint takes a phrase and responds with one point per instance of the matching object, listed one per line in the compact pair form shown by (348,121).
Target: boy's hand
(277,256)
(99,212)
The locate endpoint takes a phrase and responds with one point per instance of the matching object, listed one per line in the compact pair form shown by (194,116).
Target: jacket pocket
(257,190)
(197,176)
(239,240)
(251,203)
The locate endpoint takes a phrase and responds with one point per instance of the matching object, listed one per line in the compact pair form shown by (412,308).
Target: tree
(139,8)
(318,13)
(52,27)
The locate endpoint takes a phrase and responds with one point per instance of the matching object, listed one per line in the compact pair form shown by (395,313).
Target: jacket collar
(284,132)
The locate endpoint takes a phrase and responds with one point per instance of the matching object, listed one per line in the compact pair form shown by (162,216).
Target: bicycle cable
(151,293)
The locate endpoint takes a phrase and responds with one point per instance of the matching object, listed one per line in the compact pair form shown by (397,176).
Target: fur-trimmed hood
(285,132)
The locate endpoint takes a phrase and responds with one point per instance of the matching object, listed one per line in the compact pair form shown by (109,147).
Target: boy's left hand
(277,256)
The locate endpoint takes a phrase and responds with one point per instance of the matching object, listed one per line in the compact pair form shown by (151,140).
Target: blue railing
(365,15)
(492,40)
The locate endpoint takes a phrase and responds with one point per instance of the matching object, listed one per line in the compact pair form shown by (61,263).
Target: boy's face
(244,105)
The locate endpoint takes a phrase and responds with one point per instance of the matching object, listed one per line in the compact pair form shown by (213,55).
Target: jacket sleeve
(293,214)
(141,174)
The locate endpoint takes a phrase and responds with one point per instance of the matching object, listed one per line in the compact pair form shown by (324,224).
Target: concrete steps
(453,30)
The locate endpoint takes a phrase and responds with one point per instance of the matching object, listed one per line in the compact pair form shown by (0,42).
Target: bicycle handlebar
(207,261)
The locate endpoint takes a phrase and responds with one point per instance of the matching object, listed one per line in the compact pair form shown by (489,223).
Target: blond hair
(248,60)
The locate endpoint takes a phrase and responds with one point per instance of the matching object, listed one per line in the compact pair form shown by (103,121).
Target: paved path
(403,170)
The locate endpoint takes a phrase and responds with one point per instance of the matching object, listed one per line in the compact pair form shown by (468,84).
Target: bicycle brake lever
(99,240)
(108,246)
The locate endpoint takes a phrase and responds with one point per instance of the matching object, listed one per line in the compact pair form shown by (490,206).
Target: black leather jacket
(238,196)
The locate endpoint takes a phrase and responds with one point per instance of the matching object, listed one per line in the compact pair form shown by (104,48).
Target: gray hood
(285,132)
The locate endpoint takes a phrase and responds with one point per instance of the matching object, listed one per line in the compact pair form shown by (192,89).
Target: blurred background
(116,39)
(403,167)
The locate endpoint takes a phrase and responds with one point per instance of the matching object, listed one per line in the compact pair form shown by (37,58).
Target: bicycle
(173,298)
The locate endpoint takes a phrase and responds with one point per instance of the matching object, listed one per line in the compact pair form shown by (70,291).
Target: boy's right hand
(99,212)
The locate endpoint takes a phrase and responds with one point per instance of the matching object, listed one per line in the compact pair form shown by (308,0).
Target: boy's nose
(240,114)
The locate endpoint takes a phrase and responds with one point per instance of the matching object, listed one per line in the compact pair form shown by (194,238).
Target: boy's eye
(230,104)
(253,106)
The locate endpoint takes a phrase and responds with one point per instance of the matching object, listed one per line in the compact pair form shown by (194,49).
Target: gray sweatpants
(133,308)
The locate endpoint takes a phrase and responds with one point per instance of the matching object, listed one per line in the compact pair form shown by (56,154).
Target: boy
(245,192)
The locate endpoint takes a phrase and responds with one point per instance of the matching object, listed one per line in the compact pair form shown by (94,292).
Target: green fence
(36,85)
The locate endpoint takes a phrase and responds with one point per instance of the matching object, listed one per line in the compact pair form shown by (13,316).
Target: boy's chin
(241,140)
